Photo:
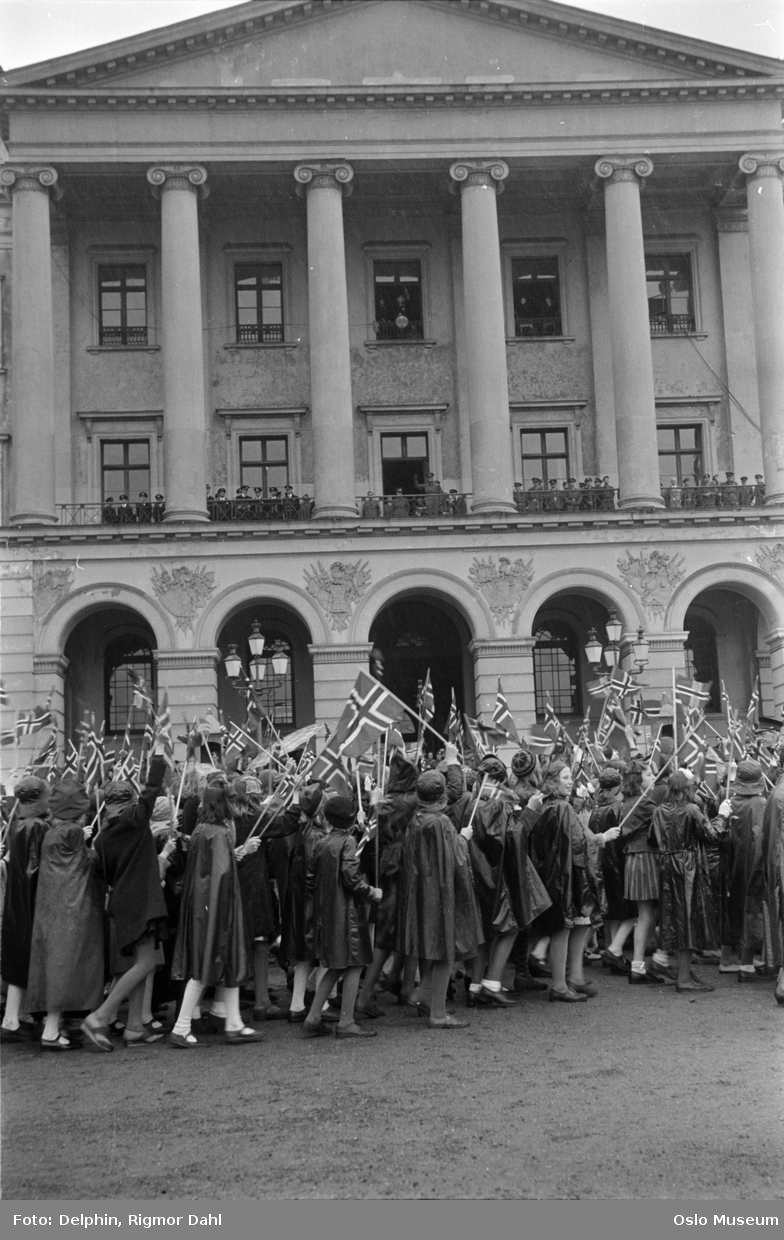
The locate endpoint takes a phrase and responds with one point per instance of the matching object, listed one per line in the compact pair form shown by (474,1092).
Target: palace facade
(426,333)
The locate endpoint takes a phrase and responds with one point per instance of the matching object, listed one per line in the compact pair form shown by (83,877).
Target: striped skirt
(641,876)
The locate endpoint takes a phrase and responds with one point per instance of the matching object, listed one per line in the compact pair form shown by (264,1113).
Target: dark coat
(607,814)
(297,918)
(66,959)
(259,900)
(438,914)
(771,878)
(745,896)
(128,864)
(566,858)
(213,945)
(394,815)
(341,939)
(687,917)
(490,866)
(25,838)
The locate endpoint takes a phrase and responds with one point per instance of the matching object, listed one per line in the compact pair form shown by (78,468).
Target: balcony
(673,324)
(550,326)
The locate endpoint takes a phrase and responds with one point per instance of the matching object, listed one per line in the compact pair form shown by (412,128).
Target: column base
(186,514)
(774,498)
(33,518)
(335,512)
(641,501)
(490,507)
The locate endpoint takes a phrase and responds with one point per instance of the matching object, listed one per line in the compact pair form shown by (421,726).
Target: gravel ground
(635,1094)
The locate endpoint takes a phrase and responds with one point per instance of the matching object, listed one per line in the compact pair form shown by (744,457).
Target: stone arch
(766,594)
(60,622)
(433,582)
(235,597)
(599,585)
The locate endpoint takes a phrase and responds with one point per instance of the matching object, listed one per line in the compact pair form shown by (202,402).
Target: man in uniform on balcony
(432,491)
(290,502)
(745,492)
(759,491)
(370,506)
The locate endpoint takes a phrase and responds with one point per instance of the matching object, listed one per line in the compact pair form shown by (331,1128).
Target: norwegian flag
(369,711)
(599,688)
(474,737)
(329,768)
(426,703)
(142,697)
(48,755)
(692,754)
(3,694)
(71,761)
(453,728)
(635,712)
(502,716)
(539,740)
(689,691)
(752,711)
(552,724)
(28,722)
(163,731)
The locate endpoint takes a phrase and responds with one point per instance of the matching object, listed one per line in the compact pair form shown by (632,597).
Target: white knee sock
(301,972)
(230,997)
(193,992)
(13,1001)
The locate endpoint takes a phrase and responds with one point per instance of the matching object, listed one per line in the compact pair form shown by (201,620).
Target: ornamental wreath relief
(183,592)
(653,577)
(337,590)
(49,586)
(503,585)
(771,559)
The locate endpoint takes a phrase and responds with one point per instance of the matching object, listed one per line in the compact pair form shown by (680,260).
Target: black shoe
(523,982)
(297,1018)
(475,999)
(497,998)
(538,968)
(645,979)
(616,964)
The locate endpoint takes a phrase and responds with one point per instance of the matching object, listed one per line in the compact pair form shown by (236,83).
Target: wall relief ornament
(653,577)
(183,592)
(771,559)
(502,584)
(338,590)
(50,584)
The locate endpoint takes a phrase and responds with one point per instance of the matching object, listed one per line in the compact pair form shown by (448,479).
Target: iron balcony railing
(386,330)
(714,495)
(120,336)
(580,498)
(672,324)
(422,504)
(260,333)
(550,326)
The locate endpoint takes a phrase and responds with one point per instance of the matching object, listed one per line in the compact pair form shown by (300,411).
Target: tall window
(555,669)
(275,690)
(125,468)
(680,453)
(702,658)
(258,296)
(397,289)
(670,300)
(537,297)
(264,462)
(404,462)
(545,455)
(123,305)
(128,651)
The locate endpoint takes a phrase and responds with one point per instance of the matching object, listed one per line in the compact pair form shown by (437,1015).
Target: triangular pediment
(369,43)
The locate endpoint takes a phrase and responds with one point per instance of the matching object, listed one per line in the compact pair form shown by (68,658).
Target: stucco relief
(503,584)
(771,560)
(339,590)
(50,585)
(183,592)
(653,577)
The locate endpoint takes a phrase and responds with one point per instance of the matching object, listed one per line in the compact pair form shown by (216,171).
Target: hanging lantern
(232,663)
(613,626)
(256,641)
(641,647)
(593,649)
(401,322)
(280,662)
(258,669)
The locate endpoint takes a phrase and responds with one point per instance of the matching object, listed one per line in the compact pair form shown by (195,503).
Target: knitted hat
(69,801)
(118,792)
(31,789)
(339,811)
(492,766)
(610,777)
(523,763)
(430,787)
(310,799)
(749,779)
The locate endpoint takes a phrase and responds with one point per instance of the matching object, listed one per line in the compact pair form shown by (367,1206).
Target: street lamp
(641,646)
(594,651)
(277,656)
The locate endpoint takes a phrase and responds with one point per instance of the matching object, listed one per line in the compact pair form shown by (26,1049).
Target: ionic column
(184,421)
(330,360)
(632,364)
(480,180)
(766,251)
(32,352)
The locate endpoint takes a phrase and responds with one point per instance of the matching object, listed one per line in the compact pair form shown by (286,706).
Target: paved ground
(637,1093)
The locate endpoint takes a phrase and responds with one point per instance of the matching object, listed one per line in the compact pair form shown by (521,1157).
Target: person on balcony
(728,491)
(432,490)
(535,497)
(456,504)
(518,495)
(571,495)
(290,503)
(606,495)
(759,490)
(158,508)
(745,492)
(222,505)
(126,511)
(551,500)
(305,508)
(399,504)
(108,511)
(370,506)
(674,494)
(144,507)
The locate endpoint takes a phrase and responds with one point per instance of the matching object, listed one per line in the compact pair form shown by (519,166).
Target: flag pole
(674,713)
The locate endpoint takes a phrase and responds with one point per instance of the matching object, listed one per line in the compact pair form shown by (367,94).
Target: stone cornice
(171,660)
(623,39)
(332,98)
(50,664)
(356,653)
(501,648)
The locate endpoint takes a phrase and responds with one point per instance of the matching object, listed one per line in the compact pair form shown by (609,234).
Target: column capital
(191,177)
(50,664)
(731,219)
(615,168)
(354,652)
(40,177)
(483,172)
(332,174)
(178,660)
(766,165)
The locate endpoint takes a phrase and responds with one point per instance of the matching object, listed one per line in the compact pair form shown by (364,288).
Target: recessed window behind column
(680,453)
(258,298)
(537,297)
(670,300)
(397,288)
(264,462)
(125,468)
(404,463)
(545,456)
(123,305)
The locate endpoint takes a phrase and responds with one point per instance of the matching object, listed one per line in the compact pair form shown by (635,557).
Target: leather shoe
(477,998)
(239,1037)
(181,1043)
(20,1034)
(270,1012)
(691,986)
(523,983)
(616,964)
(538,968)
(296,1018)
(57,1044)
(566,996)
(645,979)
(663,971)
(746,975)
(497,998)
(589,989)
(449,1022)
(372,1011)
(311,1029)
(355,1031)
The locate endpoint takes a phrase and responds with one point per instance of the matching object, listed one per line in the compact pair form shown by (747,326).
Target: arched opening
(101,650)
(285,696)
(725,631)
(561,668)
(413,634)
